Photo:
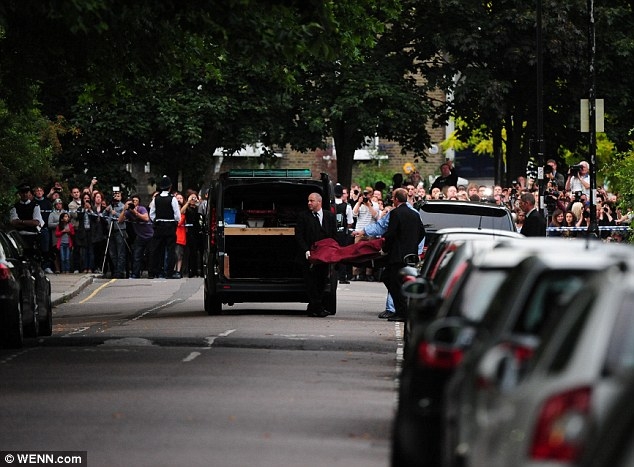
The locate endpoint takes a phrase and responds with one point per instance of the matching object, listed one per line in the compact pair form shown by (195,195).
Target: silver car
(524,311)
(540,415)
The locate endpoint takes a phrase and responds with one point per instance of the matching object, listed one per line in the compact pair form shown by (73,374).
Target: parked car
(42,283)
(612,444)
(543,413)
(250,248)
(427,363)
(442,214)
(521,313)
(22,291)
(445,242)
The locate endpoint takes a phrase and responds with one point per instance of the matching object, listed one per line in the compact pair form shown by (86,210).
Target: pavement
(66,286)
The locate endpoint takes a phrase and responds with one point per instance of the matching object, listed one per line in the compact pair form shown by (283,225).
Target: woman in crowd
(520,217)
(99,230)
(570,220)
(83,234)
(64,234)
(53,221)
(557,220)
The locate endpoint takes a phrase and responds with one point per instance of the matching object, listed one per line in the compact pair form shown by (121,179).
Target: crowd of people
(566,201)
(86,232)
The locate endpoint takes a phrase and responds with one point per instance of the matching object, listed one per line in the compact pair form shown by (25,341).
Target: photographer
(579,178)
(605,216)
(366,213)
(138,215)
(550,170)
(118,235)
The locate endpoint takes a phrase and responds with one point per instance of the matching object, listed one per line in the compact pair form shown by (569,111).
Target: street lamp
(593,228)
(540,109)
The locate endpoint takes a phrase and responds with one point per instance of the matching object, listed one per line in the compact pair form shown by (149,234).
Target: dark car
(23,290)
(442,214)
(42,283)
(446,241)
(251,254)
(428,364)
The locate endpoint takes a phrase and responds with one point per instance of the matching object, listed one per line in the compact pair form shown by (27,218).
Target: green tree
(490,50)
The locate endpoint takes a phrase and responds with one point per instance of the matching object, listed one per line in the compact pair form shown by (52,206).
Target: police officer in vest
(165,214)
(26,218)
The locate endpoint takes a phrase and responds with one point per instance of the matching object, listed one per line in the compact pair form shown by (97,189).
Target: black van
(250,254)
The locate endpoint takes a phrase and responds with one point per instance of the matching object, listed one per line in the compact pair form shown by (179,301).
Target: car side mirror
(411,260)
(417,289)
(503,365)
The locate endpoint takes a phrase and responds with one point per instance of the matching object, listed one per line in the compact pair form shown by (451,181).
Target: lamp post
(540,109)
(593,228)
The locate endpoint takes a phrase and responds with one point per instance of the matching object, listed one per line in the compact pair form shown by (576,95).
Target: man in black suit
(404,232)
(534,223)
(313,225)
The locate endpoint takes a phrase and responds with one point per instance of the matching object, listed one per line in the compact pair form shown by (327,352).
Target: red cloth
(328,250)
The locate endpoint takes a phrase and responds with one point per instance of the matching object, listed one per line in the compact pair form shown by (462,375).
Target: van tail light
(5,272)
(561,426)
(213,227)
(437,356)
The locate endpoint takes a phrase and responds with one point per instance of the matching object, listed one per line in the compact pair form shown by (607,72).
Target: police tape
(585,229)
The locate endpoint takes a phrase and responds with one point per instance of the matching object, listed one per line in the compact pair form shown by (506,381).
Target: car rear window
(475,295)
(437,216)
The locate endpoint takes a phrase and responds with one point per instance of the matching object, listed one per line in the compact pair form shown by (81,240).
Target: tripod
(107,252)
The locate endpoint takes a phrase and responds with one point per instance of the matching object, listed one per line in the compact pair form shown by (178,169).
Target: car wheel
(46,321)
(31,327)
(213,305)
(11,334)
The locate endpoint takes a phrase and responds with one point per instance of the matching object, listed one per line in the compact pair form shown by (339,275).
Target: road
(137,374)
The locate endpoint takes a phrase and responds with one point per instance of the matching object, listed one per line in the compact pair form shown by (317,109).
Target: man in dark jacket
(404,232)
(314,225)
(534,224)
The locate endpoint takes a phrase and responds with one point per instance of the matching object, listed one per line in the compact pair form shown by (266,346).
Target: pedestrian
(378,229)
(534,223)
(448,176)
(366,212)
(53,221)
(64,233)
(181,239)
(345,220)
(138,216)
(194,235)
(313,225)
(165,214)
(117,236)
(404,233)
(73,206)
(99,230)
(46,207)
(26,218)
(83,234)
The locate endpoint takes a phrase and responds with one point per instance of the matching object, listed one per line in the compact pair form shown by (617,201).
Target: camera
(578,195)
(356,192)
(575,169)
(130,205)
